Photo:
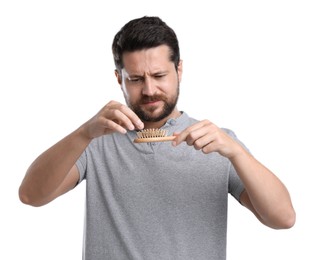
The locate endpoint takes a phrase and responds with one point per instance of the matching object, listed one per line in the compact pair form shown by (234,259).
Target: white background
(252,66)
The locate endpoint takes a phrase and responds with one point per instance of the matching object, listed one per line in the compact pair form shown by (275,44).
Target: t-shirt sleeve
(81,164)
(235,185)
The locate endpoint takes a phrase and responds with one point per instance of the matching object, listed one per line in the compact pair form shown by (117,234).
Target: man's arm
(265,195)
(54,172)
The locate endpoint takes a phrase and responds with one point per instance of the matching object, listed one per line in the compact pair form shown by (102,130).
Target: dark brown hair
(144,33)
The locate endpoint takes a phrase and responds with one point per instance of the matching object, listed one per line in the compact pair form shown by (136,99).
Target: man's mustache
(146,99)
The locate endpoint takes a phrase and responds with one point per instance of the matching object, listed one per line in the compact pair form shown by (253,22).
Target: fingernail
(140,124)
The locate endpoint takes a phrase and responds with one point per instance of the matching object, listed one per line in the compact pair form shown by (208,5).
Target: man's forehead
(151,60)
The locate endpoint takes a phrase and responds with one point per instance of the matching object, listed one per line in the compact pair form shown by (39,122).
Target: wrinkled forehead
(152,59)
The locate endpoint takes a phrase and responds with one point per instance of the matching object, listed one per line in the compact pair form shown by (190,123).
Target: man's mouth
(150,101)
(153,102)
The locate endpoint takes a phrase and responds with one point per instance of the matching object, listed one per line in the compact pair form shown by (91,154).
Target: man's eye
(135,80)
(159,76)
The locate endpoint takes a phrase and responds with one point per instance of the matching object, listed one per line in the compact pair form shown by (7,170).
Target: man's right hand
(113,117)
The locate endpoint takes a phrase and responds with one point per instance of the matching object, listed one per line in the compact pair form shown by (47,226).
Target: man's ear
(118,77)
(180,70)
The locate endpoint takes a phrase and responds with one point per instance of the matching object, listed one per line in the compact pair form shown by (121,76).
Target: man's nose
(149,87)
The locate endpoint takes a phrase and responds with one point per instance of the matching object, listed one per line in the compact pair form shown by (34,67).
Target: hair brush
(153,135)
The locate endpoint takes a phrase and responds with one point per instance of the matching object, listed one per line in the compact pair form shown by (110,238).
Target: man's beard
(146,116)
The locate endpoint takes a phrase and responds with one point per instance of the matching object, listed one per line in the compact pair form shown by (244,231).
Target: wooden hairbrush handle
(154,139)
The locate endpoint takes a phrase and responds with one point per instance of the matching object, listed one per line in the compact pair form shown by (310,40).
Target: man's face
(150,83)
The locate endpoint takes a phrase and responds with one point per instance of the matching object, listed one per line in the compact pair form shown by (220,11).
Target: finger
(182,136)
(110,125)
(132,120)
(209,148)
(121,119)
(189,134)
(130,117)
(174,141)
(200,138)
(123,116)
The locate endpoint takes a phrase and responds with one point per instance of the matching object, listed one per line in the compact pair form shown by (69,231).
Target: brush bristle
(151,133)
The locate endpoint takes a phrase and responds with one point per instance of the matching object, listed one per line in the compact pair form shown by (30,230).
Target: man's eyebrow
(160,72)
(137,75)
(134,75)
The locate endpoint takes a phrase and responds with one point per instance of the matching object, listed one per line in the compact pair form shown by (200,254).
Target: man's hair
(144,33)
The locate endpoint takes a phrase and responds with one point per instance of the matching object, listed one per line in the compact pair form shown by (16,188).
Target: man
(165,200)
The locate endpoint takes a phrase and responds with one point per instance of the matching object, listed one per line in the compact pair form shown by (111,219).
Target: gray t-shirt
(153,201)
